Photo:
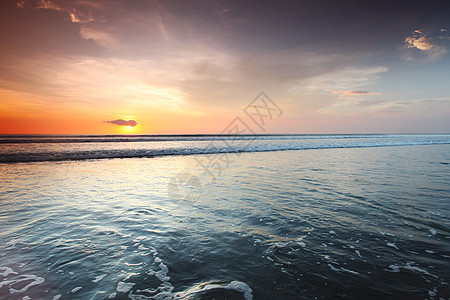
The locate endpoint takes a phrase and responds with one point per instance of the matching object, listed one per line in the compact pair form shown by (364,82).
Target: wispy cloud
(48,4)
(136,85)
(366,103)
(346,79)
(76,15)
(162,28)
(353,93)
(120,122)
(101,38)
(80,17)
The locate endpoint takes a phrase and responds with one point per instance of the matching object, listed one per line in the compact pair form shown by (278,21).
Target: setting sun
(128,129)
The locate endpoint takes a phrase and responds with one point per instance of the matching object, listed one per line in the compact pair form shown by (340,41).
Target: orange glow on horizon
(62,120)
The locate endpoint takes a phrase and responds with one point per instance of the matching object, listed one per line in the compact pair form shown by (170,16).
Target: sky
(192,66)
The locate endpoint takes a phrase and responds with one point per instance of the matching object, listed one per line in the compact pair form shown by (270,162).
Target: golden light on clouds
(188,67)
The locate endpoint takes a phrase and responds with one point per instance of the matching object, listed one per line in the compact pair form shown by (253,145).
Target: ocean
(225,217)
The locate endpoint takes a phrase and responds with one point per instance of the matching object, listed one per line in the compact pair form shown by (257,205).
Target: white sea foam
(5,271)
(392,245)
(349,271)
(162,274)
(409,266)
(99,277)
(386,233)
(394,268)
(11,244)
(35,280)
(110,231)
(165,289)
(76,289)
(197,146)
(57,297)
(281,244)
(141,247)
(237,286)
(341,269)
(124,287)
(436,213)
(334,268)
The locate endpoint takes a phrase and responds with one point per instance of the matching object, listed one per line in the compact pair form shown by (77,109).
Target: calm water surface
(337,223)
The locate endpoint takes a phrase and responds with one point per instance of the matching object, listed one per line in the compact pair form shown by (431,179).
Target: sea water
(214,217)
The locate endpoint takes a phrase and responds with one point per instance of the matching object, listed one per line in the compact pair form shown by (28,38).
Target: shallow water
(352,223)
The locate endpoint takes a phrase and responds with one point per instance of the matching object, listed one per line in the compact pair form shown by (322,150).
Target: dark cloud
(120,122)
(255,26)
(333,25)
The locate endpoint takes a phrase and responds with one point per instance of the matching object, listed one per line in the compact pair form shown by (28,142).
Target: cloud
(162,28)
(365,103)
(80,17)
(120,122)
(20,4)
(420,41)
(47,4)
(138,85)
(343,79)
(76,15)
(352,93)
(101,38)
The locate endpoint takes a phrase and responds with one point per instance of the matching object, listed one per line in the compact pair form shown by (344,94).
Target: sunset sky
(93,67)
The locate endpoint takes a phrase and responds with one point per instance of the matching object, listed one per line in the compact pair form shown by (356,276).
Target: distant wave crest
(92,147)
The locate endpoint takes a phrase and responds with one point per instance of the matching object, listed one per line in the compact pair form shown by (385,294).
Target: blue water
(341,217)
(29,148)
